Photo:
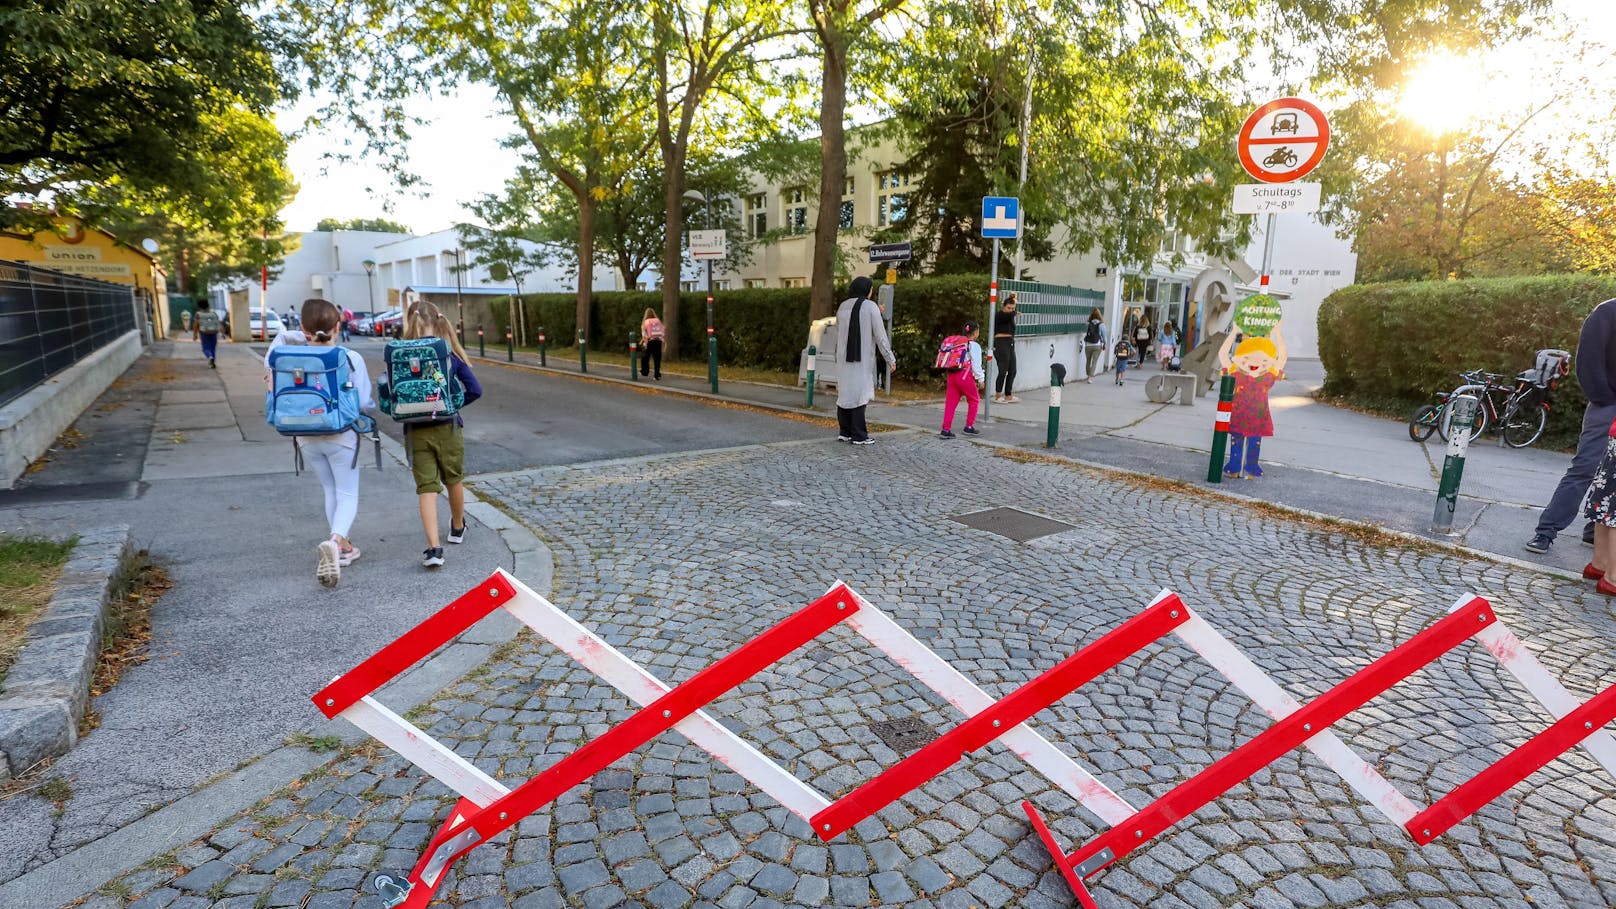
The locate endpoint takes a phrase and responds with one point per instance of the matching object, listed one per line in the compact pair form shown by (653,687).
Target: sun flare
(1443,93)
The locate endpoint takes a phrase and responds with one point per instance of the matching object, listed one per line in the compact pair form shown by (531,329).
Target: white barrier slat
(937,674)
(1536,678)
(424,751)
(1277,703)
(627,676)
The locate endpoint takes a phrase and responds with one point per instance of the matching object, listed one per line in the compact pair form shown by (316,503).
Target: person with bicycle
(1596,373)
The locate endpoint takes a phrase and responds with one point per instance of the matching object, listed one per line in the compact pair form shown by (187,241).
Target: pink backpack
(954,353)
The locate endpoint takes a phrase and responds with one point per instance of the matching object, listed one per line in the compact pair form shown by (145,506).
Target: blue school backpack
(417,383)
(311,392)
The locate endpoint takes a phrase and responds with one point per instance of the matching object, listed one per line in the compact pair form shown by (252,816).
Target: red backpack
(954,353)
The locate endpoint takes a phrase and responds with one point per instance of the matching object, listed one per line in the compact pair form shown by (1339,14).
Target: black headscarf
(859,291)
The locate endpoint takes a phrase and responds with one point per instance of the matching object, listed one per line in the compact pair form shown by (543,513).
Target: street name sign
(891,252)
(708,244)
(1283,140)
(1001,217)
(1276,198)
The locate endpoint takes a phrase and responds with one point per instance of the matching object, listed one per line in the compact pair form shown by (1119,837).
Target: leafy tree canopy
(374,224)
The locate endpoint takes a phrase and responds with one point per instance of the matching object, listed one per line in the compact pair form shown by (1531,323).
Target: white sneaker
(346,557)
(329,570)
(457,535)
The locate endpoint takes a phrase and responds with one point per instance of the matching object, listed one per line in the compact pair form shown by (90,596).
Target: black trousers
(1004,353)
(653,351)
(851,422)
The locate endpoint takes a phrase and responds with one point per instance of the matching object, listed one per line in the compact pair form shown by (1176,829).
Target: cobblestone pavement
(680,559)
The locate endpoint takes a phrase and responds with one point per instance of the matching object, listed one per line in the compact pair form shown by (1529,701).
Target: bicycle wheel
(1476,428)
(1424,422)
(1523,423)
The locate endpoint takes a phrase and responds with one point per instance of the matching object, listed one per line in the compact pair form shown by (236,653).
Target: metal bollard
(1447,493)
(1057,378)
(583,352)
(633,358)
(712,359)
(542,341)
(482,349)
(1220,435)
(510,346)
(813,355)
(460,329)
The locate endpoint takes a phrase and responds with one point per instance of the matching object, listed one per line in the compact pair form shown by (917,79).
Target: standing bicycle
(1517,411)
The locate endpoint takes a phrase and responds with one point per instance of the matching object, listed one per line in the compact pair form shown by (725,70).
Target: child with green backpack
(427,382)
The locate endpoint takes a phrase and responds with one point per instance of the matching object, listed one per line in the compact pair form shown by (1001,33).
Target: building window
(795,204)
(892,198)
(845,222)
(793,282)
(721,285)
(755,282)
(641,285)
(688,286)
(757,215)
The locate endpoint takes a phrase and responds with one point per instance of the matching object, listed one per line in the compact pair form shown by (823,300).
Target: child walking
(651,333)
(332,458)
(1122,355)
(438,449)
(207,328)
(963,380)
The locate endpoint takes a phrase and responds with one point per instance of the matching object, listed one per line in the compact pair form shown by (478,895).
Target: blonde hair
(424,320)
(1257,345)
(649,314)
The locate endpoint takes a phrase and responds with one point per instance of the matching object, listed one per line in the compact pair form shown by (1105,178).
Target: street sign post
(1276,198)
(1001,220)
(890,252)
(708,244)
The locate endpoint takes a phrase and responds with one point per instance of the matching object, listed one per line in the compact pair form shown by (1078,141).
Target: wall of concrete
(29,424)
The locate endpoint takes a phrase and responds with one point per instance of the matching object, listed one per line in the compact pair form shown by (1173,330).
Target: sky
(457,151)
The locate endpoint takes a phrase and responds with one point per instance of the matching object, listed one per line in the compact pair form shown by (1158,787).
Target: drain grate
(1013,523)
(906,734)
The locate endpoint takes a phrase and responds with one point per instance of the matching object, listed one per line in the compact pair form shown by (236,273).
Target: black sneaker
(211,364)
(432,558)
(457,534)
(1540,543)
(972,431)
(946,434)
(1588,535)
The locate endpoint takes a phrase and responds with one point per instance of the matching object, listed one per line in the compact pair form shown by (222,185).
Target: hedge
(1402,342)
(762,327)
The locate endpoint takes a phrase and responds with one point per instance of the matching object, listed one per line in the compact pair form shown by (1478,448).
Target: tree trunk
(833,167)
(586,258)
(673,226)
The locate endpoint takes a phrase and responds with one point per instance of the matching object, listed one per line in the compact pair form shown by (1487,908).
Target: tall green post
(1055,374)
(1220,435)
(712,359)
(482,347)
(583,352)
(543,341)
(510,346)
(813,357)
(633,358)
(1447,491)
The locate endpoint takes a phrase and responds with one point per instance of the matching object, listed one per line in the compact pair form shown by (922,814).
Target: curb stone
(48,687)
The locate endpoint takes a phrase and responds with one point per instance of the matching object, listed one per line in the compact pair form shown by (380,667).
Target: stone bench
(1161,388)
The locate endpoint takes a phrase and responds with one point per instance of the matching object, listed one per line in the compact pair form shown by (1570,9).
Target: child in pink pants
(962,383)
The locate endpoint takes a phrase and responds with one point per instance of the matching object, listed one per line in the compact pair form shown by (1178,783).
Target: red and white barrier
(487,807)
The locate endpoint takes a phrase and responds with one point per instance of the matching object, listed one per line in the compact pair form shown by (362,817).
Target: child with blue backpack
(437,447)
(305,381)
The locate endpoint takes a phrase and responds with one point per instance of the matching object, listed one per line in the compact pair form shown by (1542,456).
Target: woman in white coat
(861,334)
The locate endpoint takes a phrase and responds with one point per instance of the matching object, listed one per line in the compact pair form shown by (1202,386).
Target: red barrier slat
(414,645)
(1015,708)
(1084,898)
(666,712)
(1286,734)
(1514,767)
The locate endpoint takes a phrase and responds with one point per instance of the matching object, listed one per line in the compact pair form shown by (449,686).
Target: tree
(571,74)
(380,225)
(117,91)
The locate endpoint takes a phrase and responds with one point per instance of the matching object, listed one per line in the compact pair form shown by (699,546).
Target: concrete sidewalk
(1327,459)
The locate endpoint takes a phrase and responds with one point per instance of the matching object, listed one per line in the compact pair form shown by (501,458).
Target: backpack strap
(297,459)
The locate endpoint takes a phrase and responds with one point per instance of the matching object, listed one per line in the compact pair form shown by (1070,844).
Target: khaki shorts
(437,456)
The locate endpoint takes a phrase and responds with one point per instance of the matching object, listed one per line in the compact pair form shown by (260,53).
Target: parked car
(388,324)
(263,330)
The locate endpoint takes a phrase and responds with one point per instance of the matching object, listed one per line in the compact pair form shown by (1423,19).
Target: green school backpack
(417,383)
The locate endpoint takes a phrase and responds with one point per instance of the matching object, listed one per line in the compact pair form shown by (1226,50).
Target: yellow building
(77,249)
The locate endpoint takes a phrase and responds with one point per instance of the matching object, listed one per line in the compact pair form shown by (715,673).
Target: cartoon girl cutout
(1256,365)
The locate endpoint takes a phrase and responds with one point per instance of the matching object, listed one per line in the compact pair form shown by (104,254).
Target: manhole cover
(1014,523)
(906,734)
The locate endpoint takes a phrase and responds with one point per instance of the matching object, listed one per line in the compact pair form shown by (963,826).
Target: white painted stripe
(642,687)
(1524,666)
(937,674)
(1266,693)
(424,751)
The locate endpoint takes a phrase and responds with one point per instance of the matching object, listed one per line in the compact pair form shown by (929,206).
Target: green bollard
(482,348)
(510,346)
(1056,373)
(813,356)
(1447,492)
(712,360)
(1220,436)
(583,352)
(633,359)
(542,340)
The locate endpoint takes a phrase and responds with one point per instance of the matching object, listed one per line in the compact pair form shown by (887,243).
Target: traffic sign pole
(987,329)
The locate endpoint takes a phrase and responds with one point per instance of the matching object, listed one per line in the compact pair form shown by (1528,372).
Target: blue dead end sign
(1001,217)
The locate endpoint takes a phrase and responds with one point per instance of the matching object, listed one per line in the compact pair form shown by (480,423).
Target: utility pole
(1026,140)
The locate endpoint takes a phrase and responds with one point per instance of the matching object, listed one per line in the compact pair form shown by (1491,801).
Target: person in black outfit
(1596,373)
(1004,351)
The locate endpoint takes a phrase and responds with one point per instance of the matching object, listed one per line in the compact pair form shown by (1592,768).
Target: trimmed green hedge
(1403,342)
(763,327)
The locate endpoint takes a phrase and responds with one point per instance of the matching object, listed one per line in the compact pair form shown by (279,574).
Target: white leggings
(334,463)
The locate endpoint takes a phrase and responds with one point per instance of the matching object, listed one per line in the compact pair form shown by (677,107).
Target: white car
(260,331)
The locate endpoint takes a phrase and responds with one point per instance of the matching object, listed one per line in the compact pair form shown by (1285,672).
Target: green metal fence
(1051,309)
(49,321)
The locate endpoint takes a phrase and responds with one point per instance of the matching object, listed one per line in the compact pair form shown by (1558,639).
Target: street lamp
(370,283)
(460,303)
(712,339)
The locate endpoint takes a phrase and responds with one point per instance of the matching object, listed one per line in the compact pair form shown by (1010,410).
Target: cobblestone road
(677,560)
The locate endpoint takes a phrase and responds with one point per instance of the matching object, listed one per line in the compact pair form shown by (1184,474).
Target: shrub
(1402,342)
(761,327)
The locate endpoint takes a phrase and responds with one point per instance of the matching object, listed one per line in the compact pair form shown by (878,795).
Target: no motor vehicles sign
(1284,140)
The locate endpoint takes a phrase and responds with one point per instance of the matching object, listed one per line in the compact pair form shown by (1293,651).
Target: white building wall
(1310,263)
